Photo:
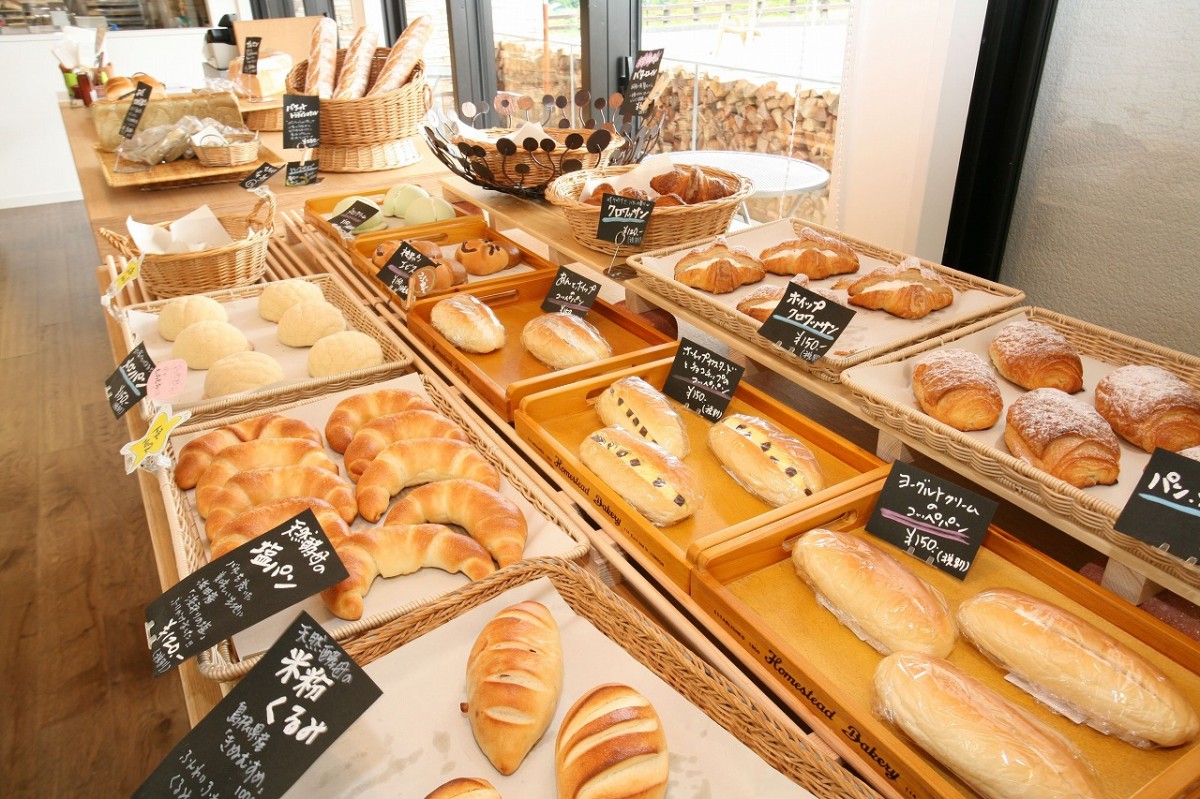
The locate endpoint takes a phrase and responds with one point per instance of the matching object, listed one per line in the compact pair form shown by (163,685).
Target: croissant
(489,517)
(678,181)
(419,460)
(907,290)
(1035,355)
(514,681)
(957,387)
(393,550)
(259,454)
(719,268)
(353,412)
(197,454)
(245,490)
(611,743)
(1150,407)
(373,437)
(465,788)
(260,519)
(810,254)
(1063,436)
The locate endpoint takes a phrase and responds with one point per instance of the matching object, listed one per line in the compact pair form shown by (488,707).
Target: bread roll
(486,257)
(976,733)
(353,412)
(280,295)
(348,351)
(907,290)
(306,323)
(465,788)
(770,464)
(488,516)
(719,268)
(248,489)
(202,344)
(563,340)
(468,323)
(263,518)
(514,681)
(1063,437)
(656,483)
(1071,664)
(634,405)
(869,591)
(810,254)
(416,461)
(1150,407)
(1035,355)
(257,454)
(239,372)
(180,312)
(197,454)
(356,66)
(957,387)
(375,436)
(612,744)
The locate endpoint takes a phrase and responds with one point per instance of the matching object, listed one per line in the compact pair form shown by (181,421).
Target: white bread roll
(306,323)
(873,594)
(562,340)
(976,733)
(202,344)
(764,460)
(277,297)
(634,405)
(514,680)
(656,483)
(465,788)
(180,312)
(347,351)
(468,324)
(1072,664)
(242,371)
(611,745)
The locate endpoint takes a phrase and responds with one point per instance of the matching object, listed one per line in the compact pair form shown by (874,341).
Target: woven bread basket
(264,119)
(538,166)
(374,119)
(668,226)
(238,263)
(232,154)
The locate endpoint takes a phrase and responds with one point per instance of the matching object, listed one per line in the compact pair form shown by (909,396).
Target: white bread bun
(242,371)
(764,460)
(306,323)
(277,297)
(348,351)
(873,594)
(1072,664)
(634,405)
(465,788)
(612,745)
(202,344)
(180,312)
(656,483)
(562,340)
(468,323)
(976,733)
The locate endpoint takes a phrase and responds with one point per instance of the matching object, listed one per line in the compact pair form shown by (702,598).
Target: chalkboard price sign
(300,698)
(258,177)
(702,380)
(571,293)
(301,121)
(250,55)
(641,81)
(407,268)
(126,386)
(805,323)
(623,220)
(302,173)
(137,107)
(1164,510)
(932,519)
(352,217)
(261,577)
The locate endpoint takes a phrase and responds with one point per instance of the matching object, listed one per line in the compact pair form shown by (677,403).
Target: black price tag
(571,293)
(126,386)
(258,177)
(250,55)
(932,519)
(302,173)
(407,267)
(641,81)
(702,380)
(805,323)
(300,698)
(623,220)
(261,577)
(137,107)
(1165,506)
(301,121)
(352,217)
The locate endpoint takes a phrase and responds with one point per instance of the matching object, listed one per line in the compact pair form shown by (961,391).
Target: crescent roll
(258,454)
(488,516)
(634,405)
(811,254)
(197,454)
(907,290)
(419,460)
(260,519)
(957,387)
(465,788)
(373,437)
(1064,437)
(719,268)
(656,483)
(353,412)
(1150,407)
(247,489)
(763,459)
(1035,355)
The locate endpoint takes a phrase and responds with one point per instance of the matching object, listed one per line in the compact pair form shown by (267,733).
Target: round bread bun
(242,371)
(202,344)
(183,311)
(343,352)
(276,298)
(305,323)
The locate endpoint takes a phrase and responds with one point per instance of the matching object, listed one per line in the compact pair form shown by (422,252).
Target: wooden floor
(82,714)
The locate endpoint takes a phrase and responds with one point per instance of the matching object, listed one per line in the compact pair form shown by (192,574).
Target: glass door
(538,52)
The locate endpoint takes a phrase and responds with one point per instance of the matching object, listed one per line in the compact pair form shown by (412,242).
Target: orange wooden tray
(555,422)
(751,599)
(317,211)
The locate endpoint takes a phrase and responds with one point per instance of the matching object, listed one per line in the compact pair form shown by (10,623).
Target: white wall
(1107,219)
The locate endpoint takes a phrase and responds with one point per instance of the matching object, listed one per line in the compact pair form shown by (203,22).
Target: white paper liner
(414,738)
(386,593)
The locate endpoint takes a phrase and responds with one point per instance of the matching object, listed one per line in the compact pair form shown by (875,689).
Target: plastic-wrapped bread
(656,483)
(764,460)
(561,340)
(468,323)
(977,733)
(611,745)
(634,405)
(869,591)
(1069,663)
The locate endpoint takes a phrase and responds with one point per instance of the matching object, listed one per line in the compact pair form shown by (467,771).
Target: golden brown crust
(468,323)
(768,462)
(465,788)
(1150,407)
(1035,355)
(563,340)
(812,254)
(1064,437)
(656,483)
(488,516)
(353,412)
(375,436)
(611,743)
(486,256)
(634,405)
(907,290)
(198,454)
(419,460)
(248,489)
(263,518)
(957,387)
(257,454)
(719,268)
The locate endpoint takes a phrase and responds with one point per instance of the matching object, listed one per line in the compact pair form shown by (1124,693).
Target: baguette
(405,54)
(611,744)
(634,405)
(356,66)
(764,460)
(322,60)
(976,733)
(656,483)
(1071,664)
(514,681)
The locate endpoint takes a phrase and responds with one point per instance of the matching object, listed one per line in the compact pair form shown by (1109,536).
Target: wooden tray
(317,211)
(555,422)
(502,378)
(181,173)
(556,535)
(397,358)
(883,388)
(871,334)
(751,598)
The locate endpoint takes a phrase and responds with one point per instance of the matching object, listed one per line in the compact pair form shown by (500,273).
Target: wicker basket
(232,154)
(370,120)
(668,226)
(238,263)
(540,167)
(367,157)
